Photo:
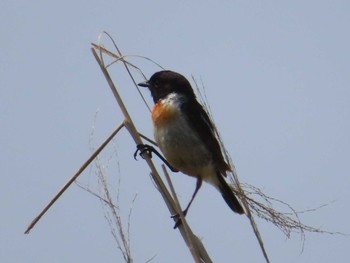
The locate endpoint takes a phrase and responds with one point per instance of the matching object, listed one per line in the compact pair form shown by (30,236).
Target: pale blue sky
(277,78)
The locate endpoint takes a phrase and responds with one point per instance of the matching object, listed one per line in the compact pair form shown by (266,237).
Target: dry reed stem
(287,222)
(74,177)
(234,178)
(191,240)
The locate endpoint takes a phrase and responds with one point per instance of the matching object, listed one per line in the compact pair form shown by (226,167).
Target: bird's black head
(165,82)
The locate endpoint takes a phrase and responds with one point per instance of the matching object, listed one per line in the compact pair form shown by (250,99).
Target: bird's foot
(144,149)
(177,219)
(148,149)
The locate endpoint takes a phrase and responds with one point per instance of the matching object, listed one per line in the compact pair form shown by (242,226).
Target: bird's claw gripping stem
(148,149)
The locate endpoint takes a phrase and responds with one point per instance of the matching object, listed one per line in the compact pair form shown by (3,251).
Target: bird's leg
(198,186)
(148,149)
(177,216)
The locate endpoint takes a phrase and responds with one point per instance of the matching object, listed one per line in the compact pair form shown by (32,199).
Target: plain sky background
(277,77)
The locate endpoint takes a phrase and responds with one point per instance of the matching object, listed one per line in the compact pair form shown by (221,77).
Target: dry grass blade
(113,214)
(238,190)
(113,217)
(74,177)
(125,63)
(287,222)
(110,201)
(258,203)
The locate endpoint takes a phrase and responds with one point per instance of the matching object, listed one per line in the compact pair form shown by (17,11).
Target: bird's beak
(144,84)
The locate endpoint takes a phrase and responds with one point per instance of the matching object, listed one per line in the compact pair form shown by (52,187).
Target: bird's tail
(229,196)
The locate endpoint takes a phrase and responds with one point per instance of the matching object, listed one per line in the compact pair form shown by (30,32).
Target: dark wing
(200,122)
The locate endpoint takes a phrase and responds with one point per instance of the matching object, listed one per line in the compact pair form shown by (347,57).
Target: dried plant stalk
(193,243)
(256,202)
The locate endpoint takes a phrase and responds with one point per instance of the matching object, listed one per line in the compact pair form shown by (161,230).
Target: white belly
(183,150)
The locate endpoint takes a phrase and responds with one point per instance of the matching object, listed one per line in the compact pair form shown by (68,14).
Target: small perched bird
(185,134)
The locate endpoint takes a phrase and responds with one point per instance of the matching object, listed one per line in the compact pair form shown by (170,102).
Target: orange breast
(164,113)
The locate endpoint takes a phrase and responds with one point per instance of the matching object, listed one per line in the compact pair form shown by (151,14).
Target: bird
(186,136)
